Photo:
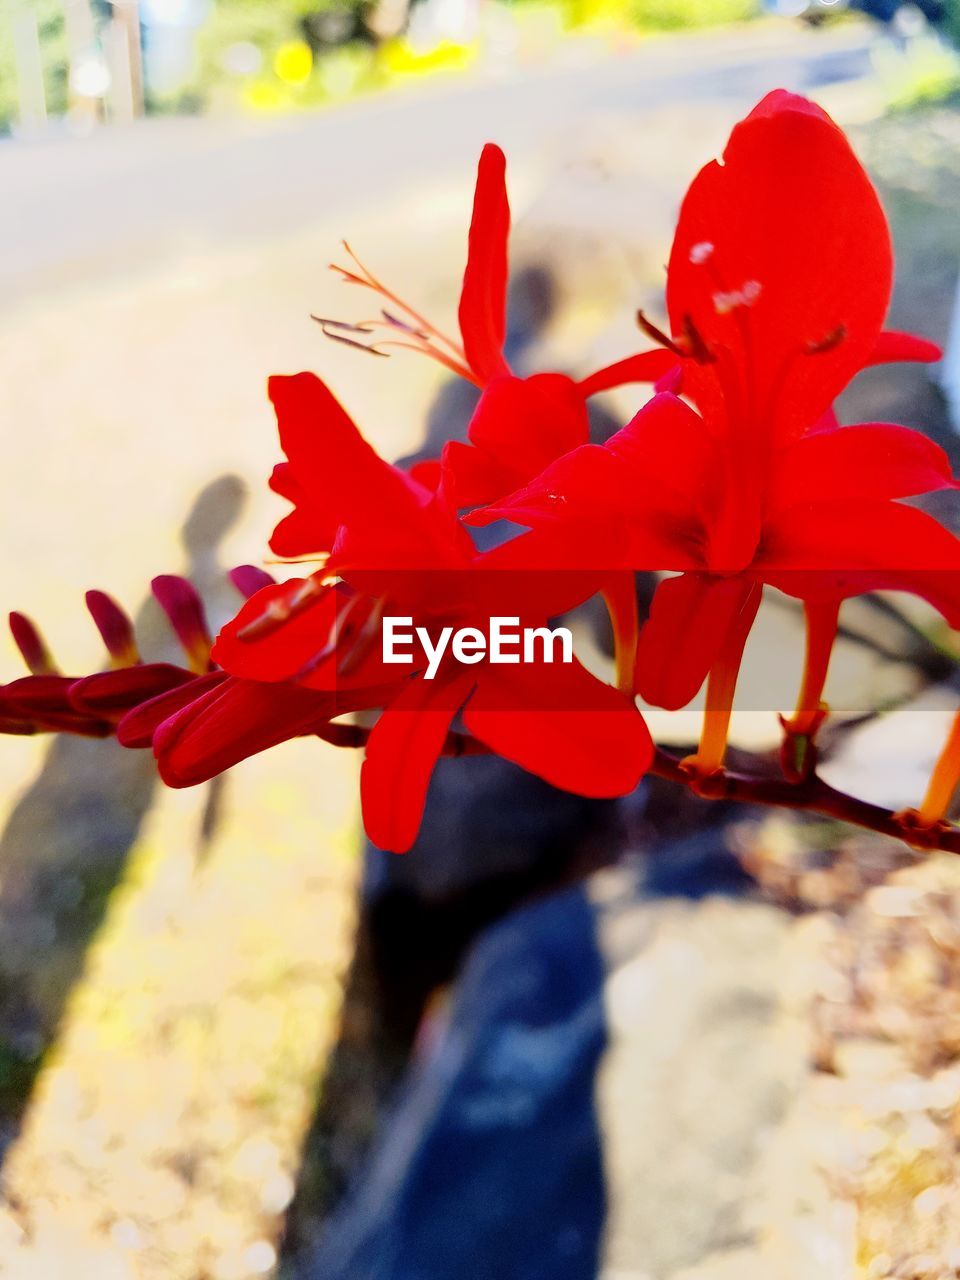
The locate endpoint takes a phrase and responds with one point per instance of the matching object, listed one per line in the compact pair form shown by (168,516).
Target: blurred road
(78,209)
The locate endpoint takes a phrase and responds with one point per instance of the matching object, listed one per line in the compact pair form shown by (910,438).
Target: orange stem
(943,780)
(721,687)
(822,619)
(620,597)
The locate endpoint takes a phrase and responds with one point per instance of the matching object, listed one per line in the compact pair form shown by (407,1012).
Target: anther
(657,335)
(828,343)
(696,342)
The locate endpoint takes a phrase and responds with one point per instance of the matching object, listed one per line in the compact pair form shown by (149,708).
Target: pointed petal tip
(32,646)
(115,627)
(181,602)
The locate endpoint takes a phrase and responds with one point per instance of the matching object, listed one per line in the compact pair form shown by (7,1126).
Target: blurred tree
(244,37)
(51,28)
(665,15)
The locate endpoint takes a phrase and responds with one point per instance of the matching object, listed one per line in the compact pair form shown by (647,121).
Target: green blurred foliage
(673,15)
(269,28)
(53,43)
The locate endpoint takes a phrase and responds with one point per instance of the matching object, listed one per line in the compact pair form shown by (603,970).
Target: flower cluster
(733,476)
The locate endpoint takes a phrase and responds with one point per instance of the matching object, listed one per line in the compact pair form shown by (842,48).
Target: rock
(594,1099)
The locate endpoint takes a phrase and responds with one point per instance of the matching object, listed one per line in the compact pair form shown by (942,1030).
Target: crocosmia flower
(780,277)
(520,424)
(399,550)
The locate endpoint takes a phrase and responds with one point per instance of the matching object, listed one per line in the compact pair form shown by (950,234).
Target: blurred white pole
(949,376)
(121,80)
(26,53)
(126,18)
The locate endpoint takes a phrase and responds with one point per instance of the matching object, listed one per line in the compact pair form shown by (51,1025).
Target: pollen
(745,296)
(700,252)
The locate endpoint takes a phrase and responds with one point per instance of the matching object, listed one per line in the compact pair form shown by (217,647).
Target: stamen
(421,327)
(657,335)
(699,350)
(397,323)
(341,628)
(328,325)
(725,301)
(282,608)
(828,343)
(363,640)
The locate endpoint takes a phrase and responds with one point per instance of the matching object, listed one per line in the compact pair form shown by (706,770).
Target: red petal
(778,101)
(385,517)
(31,644)
(180,601)
(872,460)
(428,473)
(41,703)
(841,549)
(111,694)
(318,636)
(138,726)
(562,724)
(640,501)
(114,626)
(234,720)
(273,637)
(780,250)
(38,694)
(519,427)
(402,750)
(470,476)
(892,346)
(483,299)
(249,578)
(323,445)
(647,366)
(679,643)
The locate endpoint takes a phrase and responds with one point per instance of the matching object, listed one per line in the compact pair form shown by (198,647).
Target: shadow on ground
(66,842)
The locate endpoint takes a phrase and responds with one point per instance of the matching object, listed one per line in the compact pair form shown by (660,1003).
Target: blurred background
(652,1040)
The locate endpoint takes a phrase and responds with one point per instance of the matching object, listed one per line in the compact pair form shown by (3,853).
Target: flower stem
(620,597)
(943,780)
(721,687)
(822,618)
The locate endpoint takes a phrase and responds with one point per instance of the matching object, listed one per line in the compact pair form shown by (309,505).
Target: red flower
(780,276)
(778,283)
(47,701)
(666,493)
(520,424)
(401,551)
